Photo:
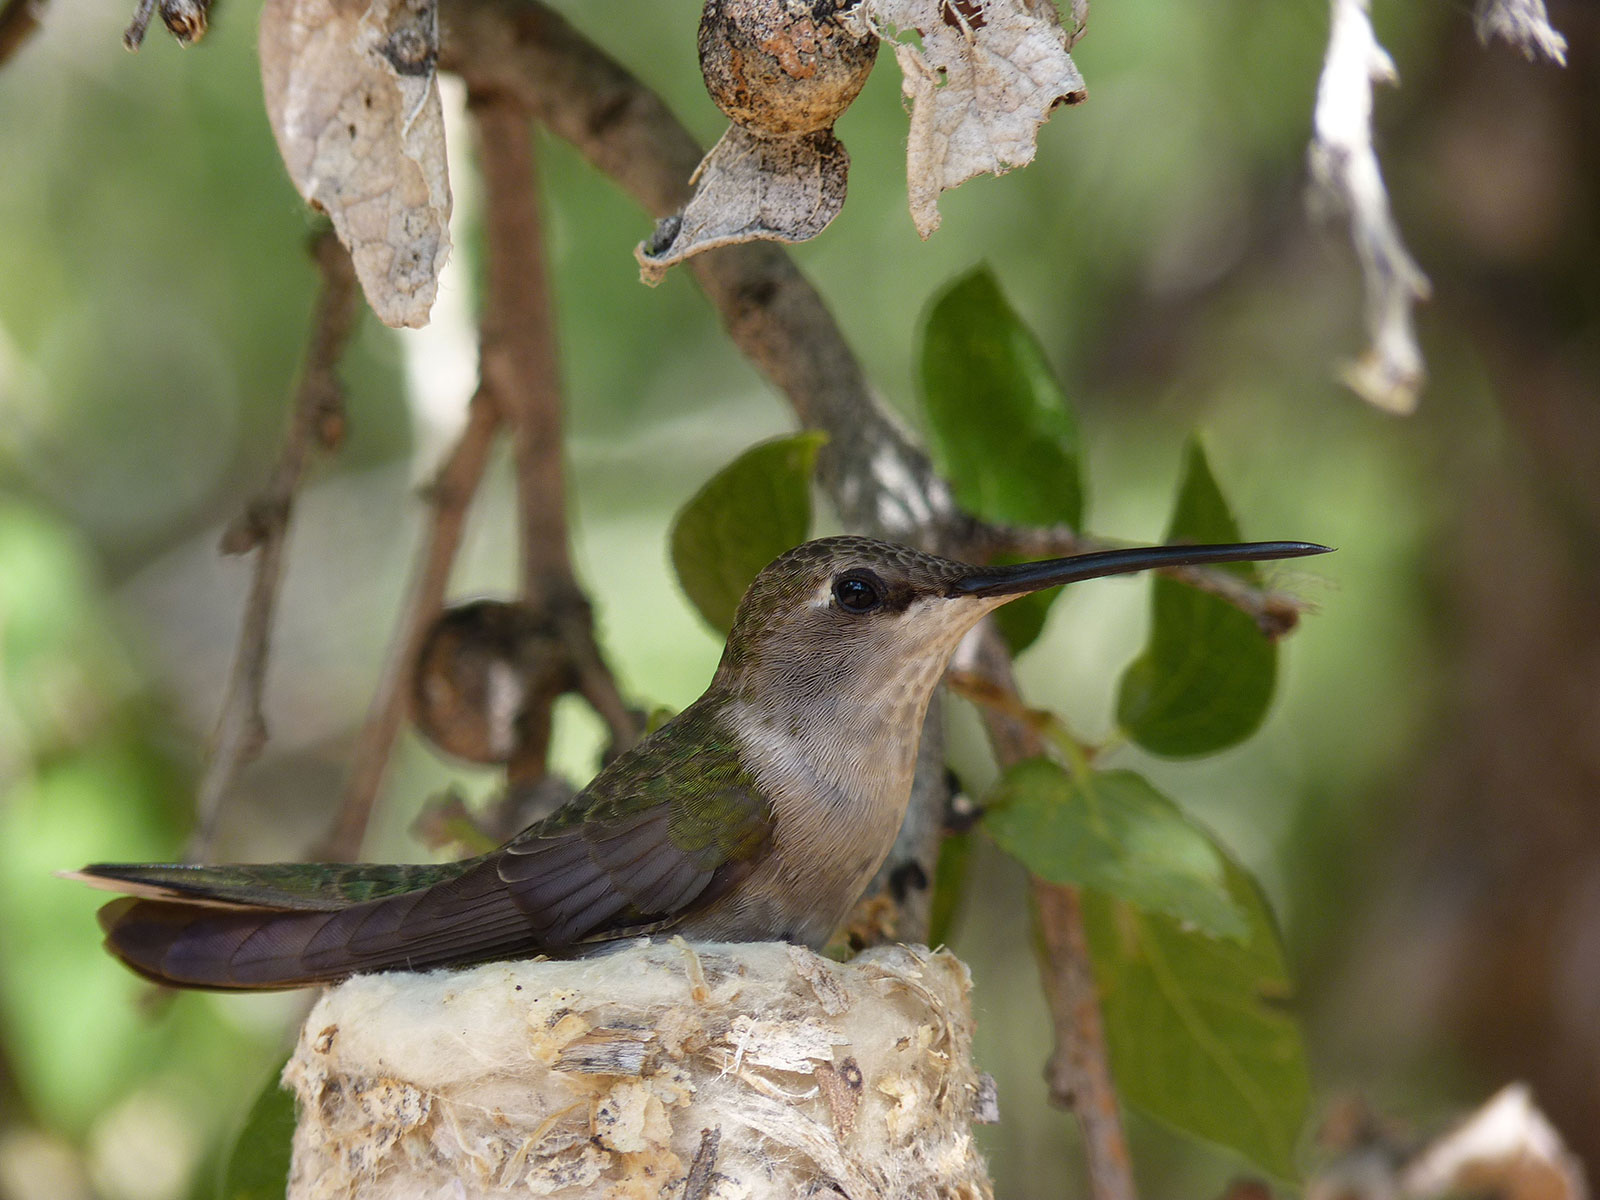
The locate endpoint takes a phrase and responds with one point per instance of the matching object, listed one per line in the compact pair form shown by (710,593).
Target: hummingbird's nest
(657,1070)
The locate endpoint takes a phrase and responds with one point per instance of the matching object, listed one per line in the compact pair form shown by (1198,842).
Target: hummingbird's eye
(858,593)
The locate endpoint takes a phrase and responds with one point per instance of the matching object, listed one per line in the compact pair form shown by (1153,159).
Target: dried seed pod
(484,681)
(780,67)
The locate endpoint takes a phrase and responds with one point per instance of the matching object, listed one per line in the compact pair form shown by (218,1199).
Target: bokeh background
(1423,805)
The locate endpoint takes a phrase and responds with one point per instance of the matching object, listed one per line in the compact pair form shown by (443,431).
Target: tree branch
(520,370)
(316,419)
(518,351)
(450,496)
(1079,1071)
(19,20)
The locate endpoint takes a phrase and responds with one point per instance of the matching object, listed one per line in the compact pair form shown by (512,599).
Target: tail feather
(316,887)
(191,944)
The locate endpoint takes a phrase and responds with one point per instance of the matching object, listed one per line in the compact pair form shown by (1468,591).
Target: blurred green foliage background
(1421,805)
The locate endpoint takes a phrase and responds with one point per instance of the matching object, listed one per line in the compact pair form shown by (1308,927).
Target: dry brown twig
(449,497)
(521,371)
(316,421)
(1079,1072)
(19,20)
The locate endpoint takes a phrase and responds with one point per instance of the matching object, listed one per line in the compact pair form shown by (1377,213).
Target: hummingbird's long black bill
(1030,577)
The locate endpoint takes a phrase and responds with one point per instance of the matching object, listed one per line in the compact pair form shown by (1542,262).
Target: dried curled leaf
(1507,1148)
(783,189)
(186,21)
(354,103)
(1346,180)
(1523,23)
(980,84)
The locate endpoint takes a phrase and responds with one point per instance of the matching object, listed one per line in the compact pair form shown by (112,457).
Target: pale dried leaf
(1346,179)
(749,188)
(981,77)
(607,1052)
(830,993)
(788,1045)
(986,1103)
(354,103)
(1508,1148)
(186,20)
(1523,23)
(841,1088)
(631,1118)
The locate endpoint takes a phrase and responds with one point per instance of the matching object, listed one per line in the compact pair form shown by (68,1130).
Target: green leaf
(746,515)
(1205,678)
(999,425)
(1198,1034)
(258,1163)
(1113,831)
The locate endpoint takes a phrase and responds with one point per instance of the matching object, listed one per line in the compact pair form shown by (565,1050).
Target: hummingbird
(758,813)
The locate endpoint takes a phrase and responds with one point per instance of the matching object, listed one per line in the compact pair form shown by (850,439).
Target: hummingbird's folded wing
(622,870)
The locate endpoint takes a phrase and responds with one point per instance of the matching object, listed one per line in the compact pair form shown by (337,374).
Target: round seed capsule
(780,67)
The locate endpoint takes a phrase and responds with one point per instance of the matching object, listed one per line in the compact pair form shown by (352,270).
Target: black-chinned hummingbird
(760,812)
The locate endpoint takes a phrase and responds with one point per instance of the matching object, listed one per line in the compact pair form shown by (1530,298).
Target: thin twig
(450,496)
(316,420)
(19,20)
(517,340)
(521,371)
(1079,1070)
(702,1171)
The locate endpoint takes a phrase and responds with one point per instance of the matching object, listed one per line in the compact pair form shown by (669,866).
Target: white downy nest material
(354,103)
(656,1070)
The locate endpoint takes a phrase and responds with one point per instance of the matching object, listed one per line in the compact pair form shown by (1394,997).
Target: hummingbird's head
(856,620)
(846,600)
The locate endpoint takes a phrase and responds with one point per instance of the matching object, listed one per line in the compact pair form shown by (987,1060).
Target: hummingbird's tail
(248,928)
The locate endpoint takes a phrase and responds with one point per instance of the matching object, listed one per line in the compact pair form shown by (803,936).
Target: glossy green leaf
(1205,678)
(1198,1030)
(999,425)
(746,515)
(1112,830)
(258,1162)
